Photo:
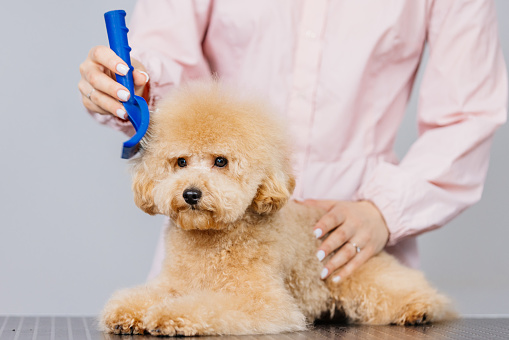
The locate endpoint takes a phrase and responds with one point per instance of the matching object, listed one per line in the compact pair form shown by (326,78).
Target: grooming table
(85,328)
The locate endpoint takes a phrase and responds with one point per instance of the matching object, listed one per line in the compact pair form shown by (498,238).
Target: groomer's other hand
(351,225)
(99,89)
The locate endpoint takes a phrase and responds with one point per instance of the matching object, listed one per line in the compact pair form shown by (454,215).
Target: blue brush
(136,107)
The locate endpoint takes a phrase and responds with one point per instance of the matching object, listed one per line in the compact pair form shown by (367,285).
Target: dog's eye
(182,162)
(221,162)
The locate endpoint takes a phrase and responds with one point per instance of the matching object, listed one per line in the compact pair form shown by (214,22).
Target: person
(341,72)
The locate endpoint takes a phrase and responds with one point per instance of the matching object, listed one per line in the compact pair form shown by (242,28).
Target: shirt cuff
(377,191)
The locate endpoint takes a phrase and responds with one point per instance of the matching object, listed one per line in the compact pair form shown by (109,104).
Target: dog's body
(239,258)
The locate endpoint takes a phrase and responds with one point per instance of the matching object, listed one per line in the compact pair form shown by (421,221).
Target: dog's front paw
(124,312)
(122,318)
(163,321)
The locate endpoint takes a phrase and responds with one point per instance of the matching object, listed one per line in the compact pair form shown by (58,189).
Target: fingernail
(324,273)
(317,232)
(123,95)
(320,254)
(146,76)
(121,114)
(122,69)
(336,279)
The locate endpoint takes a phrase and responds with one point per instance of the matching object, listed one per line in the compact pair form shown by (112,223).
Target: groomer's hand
(357,232)
(99,89)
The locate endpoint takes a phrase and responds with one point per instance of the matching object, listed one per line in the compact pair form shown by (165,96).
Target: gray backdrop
(70,233)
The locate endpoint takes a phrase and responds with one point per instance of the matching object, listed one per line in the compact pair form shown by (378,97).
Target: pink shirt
(341,72)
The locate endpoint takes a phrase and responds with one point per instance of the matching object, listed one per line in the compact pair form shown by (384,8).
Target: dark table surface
(78,328)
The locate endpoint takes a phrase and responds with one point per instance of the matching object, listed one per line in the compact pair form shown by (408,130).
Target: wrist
(379,217)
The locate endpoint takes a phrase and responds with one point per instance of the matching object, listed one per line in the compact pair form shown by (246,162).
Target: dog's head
(210,157)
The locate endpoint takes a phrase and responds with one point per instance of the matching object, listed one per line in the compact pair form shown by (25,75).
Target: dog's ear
(143,187)
(273,193)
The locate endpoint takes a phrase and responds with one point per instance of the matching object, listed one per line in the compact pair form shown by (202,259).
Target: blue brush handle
(136,107)
(117,36)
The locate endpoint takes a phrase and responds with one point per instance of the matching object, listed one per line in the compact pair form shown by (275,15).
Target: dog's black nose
(192,196)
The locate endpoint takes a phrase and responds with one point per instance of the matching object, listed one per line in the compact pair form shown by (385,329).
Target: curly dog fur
(240,258)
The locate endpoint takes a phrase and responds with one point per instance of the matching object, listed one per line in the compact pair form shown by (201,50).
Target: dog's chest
(210,259)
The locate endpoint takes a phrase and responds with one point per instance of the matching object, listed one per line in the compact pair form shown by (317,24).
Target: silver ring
(90,93)
(357,248)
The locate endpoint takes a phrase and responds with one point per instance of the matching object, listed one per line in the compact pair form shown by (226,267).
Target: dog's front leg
(124,312)
(218,313)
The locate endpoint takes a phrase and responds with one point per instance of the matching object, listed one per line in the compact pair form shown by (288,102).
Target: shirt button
(300,94)
(310,34)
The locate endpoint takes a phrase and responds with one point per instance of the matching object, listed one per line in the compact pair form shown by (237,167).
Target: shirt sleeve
(463,99)
(166,37)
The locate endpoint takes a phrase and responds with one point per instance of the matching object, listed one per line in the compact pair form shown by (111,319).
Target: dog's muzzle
(192,196)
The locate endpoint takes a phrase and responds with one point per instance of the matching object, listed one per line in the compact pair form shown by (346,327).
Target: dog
(240,255)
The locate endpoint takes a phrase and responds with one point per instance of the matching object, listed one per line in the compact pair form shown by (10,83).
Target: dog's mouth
(180,208)
(191,208)
(204,214)
(195,218)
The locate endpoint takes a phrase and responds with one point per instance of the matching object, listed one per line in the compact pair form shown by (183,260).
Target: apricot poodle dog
(240,257)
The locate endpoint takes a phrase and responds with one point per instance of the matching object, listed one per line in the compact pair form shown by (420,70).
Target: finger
(335,240)
(140,77)
(89,105)
(96,101)
(102,82)
(352,265)
(329,221)
(120,112)
(322,204)
(346,253)
(108,104)
(105,56)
